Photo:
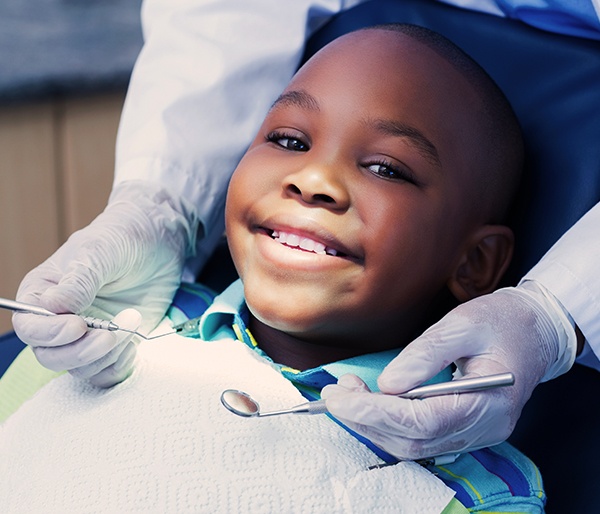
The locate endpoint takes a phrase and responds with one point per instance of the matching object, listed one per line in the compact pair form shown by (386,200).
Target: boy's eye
(288,141)
(389,171)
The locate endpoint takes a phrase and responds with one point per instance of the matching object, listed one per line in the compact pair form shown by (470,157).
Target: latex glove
(523,330)
(131,255)
(113,366)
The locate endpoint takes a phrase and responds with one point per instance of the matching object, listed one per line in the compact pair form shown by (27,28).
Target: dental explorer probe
(90,321)
(244,405)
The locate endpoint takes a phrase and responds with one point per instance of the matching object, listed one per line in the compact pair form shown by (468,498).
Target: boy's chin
(307,325)
(297,324)
(288,306)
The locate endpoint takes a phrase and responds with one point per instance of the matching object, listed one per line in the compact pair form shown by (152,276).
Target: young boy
(373,197)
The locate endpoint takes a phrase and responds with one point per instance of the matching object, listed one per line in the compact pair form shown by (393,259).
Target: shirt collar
(217,321)
(227,317)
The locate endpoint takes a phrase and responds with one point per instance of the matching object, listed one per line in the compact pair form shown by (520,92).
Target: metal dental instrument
(243,404)
(91,322)
(189,328)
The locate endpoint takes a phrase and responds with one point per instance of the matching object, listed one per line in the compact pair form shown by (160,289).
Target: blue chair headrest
(553,84)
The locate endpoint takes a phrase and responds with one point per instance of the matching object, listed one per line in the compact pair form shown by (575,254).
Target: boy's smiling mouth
(305,237)
(303,243)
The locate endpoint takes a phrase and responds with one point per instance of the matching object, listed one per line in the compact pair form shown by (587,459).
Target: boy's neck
(302,353)
(296,353)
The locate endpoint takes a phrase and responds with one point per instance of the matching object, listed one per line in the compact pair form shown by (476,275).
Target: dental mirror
(243,404)
(239,403)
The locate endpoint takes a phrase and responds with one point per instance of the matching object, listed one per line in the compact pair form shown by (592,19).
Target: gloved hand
(131,255)
(111,367)
(523,330)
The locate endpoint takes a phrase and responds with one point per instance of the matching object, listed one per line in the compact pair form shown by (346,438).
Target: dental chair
(553,84)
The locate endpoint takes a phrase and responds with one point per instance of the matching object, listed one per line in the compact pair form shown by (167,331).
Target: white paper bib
(162,442)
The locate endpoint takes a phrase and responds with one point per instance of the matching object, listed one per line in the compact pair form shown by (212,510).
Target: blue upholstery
(10,347)
(553,84)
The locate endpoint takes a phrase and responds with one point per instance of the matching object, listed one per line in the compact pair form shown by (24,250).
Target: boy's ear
(483,262)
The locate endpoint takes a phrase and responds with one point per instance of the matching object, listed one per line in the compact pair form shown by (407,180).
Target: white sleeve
(207,74)
(571,272)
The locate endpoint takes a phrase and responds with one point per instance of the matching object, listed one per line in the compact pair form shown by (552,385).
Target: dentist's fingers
(445,342)
(48,331)
(87,349)
(345,383)
(524,330)
(94,345)
(115,355)
(117,371)
(414,429)
(117,364)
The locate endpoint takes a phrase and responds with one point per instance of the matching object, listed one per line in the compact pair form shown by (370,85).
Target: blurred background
(64,70)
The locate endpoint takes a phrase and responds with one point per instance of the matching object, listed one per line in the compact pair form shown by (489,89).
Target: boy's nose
(317,186)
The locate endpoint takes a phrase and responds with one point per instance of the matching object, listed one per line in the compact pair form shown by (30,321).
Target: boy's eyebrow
(299,98)
(419,140)
(305,100)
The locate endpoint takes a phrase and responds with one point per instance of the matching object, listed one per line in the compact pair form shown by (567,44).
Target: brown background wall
(56,171)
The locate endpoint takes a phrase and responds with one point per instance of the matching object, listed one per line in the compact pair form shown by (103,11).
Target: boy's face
(349,211)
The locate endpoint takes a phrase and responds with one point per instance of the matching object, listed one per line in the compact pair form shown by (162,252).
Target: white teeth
(292,240)
(307,244)
(319,248)
(310,245)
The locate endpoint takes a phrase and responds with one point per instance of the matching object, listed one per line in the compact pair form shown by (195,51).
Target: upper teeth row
(305,243)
